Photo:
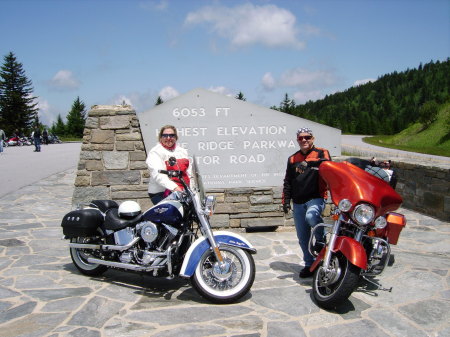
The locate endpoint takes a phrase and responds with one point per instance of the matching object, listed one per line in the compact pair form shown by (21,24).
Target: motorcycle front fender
(198,248)
(350,248)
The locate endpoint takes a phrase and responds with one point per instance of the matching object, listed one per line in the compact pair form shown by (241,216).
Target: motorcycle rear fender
(350,248)
(198,248)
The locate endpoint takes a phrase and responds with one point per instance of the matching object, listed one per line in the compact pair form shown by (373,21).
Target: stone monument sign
(236,143)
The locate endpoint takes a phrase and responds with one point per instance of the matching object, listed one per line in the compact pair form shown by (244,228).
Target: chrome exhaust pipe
(104,247)
(122,265)
(83,246)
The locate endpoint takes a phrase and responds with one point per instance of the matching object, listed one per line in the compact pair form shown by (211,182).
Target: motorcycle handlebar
(171,173)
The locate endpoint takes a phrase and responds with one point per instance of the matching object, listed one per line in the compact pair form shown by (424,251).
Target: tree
(76,119)
(287,105)
(159,101)
(240,96)
(428,113)
(17,105)
(58,128)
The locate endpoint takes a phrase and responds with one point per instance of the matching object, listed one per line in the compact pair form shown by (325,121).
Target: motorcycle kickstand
(379,287)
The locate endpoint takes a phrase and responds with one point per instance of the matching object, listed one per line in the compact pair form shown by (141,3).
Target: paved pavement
(353,145)
(21,166)
(42,294)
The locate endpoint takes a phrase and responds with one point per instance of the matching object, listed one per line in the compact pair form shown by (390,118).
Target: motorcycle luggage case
(396,222)
(82,222)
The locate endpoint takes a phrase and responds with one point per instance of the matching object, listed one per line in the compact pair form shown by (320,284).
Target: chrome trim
(121,248)
(104,247)
(312,236)
(84,246)
(388,256)
(330,246)
(122,265)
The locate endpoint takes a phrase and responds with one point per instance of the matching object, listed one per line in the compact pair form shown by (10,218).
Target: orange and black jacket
(301,185)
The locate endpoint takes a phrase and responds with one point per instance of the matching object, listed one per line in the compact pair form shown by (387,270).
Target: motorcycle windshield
(198,179)
(347,181)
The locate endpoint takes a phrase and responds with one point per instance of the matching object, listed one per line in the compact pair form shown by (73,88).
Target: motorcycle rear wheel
(80,256)
(224,285)
(333,288)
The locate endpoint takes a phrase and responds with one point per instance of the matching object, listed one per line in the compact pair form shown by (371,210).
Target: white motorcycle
(173,238)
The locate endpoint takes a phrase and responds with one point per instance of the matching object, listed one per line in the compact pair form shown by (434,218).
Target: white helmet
(129,209)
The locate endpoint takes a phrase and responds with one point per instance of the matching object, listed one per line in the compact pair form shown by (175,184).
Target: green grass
(434,139)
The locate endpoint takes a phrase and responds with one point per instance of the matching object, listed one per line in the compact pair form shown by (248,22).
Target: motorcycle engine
(148,231)
(378,256)
(155,240)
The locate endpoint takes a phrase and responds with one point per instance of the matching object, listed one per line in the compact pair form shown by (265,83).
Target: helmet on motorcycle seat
(129,209)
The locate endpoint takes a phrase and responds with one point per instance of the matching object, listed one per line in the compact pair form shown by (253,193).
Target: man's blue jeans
(306,216)
(37,144)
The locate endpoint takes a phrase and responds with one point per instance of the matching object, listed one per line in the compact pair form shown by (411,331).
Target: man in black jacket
(307,191)
(37,139)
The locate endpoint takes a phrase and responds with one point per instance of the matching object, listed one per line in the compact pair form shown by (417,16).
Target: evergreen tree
(76,119)
(240,96)
(385,106)
(428,113)
(17,107)
(288,105)
(159,101)
(58,128)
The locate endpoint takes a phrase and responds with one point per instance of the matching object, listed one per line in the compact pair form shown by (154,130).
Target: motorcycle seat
(114,222)
(104,205)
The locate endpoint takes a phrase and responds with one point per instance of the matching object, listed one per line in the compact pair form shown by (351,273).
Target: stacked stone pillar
(112,158)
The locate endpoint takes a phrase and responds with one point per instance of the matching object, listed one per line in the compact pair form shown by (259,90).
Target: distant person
(37,139)
(160,185)
(2,139)
(307,191)
(45,136)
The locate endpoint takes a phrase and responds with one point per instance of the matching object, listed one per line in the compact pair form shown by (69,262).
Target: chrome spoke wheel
(226,281)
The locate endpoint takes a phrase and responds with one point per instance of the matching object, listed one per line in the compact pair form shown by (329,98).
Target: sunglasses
(304,138)
(168,135)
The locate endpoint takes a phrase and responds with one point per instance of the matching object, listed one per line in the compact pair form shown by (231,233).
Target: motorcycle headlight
(380,222)
(344,205)
(210,204)
(363,214)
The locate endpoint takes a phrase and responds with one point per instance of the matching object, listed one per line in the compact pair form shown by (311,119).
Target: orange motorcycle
(358,242)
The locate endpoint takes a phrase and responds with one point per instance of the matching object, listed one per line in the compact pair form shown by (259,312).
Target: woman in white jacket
(160,185)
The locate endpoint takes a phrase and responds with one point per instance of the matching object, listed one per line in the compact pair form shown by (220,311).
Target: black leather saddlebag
(83,222)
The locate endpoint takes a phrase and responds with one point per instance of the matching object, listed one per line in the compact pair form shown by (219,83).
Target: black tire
(80,256)
(331,290)
(229,286)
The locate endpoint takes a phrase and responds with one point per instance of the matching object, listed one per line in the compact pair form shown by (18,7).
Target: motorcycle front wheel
(333,287)
(80,256)
(226,283)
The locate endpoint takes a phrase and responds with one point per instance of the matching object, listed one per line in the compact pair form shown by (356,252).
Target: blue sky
(110,51)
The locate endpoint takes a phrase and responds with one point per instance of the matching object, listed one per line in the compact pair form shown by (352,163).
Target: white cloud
(221,90)
(307,80)
(248,24)
(122,99)
(302,97)
(268,81)
(361,82)
(167,93)
(47,113)
(64,80)
(303,78)
(139,101)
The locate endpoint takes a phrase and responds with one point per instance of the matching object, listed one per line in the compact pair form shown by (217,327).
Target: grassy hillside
(434,139)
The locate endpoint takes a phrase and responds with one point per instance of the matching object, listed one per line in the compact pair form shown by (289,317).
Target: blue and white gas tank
(167,211)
